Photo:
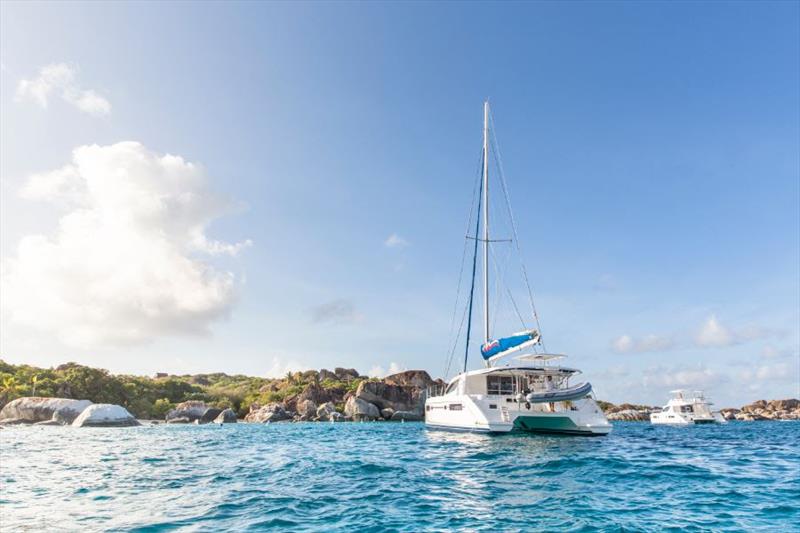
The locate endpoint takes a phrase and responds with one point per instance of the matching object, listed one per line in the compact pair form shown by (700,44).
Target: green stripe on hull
(547,424)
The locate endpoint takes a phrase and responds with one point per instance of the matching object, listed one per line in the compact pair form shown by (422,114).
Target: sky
(265,187)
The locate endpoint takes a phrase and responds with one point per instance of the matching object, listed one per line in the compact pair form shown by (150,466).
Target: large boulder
(411,378)
(326,410)
(630,415)
(345,374)
(326,374)
(411,416)
(34,409)
(66,415)
(312,392)
(228,416)
(273,412)
(105,415)
(398,397)
(210,415)
(186,412)
(755,406)
(306,409)
(359,409)
(787,405)
(387,413)
(729,413)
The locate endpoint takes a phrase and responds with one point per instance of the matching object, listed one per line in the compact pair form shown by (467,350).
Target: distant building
(161,375)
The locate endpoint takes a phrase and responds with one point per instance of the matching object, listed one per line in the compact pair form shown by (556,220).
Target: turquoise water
(402,477)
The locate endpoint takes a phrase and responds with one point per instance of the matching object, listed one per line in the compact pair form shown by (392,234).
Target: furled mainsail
(499,347)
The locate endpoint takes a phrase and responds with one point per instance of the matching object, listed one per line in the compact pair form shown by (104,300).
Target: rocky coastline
(788,409)
(341,395)
(395,398)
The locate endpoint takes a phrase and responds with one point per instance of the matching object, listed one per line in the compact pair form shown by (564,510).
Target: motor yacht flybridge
(532,392)
(687,407)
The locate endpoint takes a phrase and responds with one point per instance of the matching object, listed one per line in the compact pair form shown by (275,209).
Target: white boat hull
(493,414)
(683,419)
(687,408)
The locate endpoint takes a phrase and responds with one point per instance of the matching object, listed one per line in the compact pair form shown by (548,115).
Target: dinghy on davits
(562,395)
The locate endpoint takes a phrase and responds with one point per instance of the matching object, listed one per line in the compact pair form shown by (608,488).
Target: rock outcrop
(345,374)
(105,415)
(32,409)
(209,415)
(306,410)
(65,416)
(326,411)
(361,410)
(326,374)
(314,393)
(273,412)
(383,395)
(411,378)
(788,409)
(627,412)
(410,416)
(228,416)
(187,412)
(630,415)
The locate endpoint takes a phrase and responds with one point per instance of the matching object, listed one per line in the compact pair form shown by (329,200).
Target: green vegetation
(152,397)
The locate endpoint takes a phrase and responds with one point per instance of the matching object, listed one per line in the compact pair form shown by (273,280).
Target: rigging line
(474,263)
(461,271)
(500,278)
(455,344)
(499,164)
(516,309)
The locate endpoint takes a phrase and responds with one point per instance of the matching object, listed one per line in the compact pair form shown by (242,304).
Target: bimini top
(518,368)
(543,357)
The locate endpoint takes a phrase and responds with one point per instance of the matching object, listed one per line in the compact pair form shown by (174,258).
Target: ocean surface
(398,477)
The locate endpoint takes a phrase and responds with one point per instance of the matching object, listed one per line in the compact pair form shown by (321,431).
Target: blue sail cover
(497,346)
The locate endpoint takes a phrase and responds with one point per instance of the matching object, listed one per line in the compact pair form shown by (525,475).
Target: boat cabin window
(686,409)
(451,387)
(499,385)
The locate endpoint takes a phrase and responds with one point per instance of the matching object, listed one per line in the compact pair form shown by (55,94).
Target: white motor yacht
(530,392)
(687,407)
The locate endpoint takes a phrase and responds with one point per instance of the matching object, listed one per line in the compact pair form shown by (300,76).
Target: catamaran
(687,407)
(532,392)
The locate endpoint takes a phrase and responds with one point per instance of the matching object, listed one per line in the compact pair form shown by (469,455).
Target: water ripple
(398,477)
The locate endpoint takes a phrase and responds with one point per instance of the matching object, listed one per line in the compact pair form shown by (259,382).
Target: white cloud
(279,368)
(395,241)
(377,371)
(700,377)
(769,372)
(60,79)
(649,343)
(771,352)
(712,333)
(124,265)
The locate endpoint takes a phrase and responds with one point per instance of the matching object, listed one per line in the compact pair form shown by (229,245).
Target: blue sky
(651,150)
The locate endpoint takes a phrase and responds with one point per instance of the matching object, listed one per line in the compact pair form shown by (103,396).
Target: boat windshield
(500,385)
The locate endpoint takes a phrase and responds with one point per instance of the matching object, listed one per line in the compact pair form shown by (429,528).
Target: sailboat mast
(486,221)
